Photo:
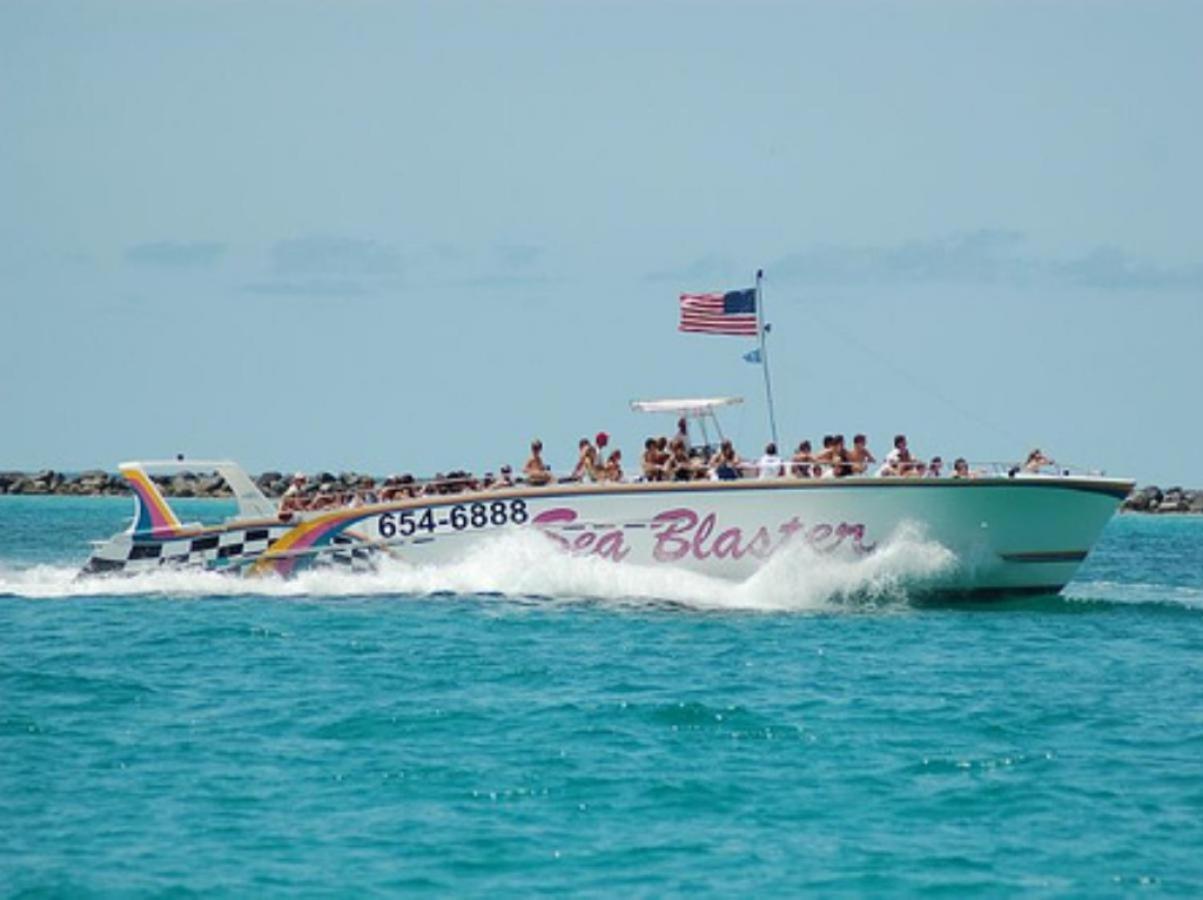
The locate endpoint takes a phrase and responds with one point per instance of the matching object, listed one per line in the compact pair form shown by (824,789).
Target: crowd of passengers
(663,459)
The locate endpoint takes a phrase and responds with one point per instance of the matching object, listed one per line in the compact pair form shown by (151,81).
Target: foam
(521,564)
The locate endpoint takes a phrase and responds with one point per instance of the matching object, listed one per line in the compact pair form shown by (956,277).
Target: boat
(1010,531)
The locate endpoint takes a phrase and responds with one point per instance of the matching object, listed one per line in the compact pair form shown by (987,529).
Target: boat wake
(1130,593)
(519,565)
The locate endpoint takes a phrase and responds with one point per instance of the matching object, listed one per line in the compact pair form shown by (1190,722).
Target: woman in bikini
(536,470)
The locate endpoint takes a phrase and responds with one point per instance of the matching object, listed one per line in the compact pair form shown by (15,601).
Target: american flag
(731,313)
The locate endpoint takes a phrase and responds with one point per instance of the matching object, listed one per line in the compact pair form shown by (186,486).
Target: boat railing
(334,495)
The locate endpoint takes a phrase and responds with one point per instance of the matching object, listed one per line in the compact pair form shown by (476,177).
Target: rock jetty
(97,482)
(1153,499)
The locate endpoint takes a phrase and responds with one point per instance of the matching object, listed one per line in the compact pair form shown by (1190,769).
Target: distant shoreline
(99,483)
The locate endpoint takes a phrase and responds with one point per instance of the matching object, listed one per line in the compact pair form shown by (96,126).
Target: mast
(764,357)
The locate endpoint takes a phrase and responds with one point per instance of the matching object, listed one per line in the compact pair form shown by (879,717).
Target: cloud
(326,265)
(330,255)
(1110,267)
(176,254)
(314,287)
(985,256)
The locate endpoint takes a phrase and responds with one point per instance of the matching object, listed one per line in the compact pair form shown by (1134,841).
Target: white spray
(521,564)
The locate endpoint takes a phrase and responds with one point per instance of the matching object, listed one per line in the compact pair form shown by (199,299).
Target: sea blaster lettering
(682,532)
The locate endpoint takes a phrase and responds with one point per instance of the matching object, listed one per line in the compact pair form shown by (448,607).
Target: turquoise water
(341,737)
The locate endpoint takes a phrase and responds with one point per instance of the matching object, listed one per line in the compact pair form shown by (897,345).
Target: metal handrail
(748,469)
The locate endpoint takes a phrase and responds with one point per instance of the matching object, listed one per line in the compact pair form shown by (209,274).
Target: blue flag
(753,356)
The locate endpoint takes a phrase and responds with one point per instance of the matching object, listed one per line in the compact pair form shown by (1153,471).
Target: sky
(396,237)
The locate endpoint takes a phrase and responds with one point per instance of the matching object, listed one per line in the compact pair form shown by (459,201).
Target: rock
(1137,502)
(1152,499)
(211,486)
(49,478)
(269,482)
(93,481)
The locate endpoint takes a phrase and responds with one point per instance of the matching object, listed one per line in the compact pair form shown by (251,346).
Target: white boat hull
(1007,534)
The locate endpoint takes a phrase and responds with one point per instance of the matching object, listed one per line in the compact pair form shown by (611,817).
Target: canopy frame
(701,409)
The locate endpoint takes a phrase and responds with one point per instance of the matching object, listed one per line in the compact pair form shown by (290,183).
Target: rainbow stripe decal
(152,514)
(289,551)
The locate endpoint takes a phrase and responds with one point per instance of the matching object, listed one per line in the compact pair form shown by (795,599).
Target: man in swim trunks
(860,456)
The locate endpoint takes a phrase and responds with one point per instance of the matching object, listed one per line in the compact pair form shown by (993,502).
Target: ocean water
(505,726)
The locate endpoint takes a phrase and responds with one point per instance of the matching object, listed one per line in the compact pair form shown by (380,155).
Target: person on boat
(679,466)
(293,499)
(612,471)
(326,497)
(601,440)
(935,468)
(682,434)
(801,461)
(365,495)
(389,489)
(900,460)
(825,455)
(860,455)
(586,463)
(841,463)
(1036,461)
(726,464)
(535,470)
(960,469)
(770,465)
(650,466)
(505,479)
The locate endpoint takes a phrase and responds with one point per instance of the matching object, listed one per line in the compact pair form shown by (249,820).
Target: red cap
(602,439)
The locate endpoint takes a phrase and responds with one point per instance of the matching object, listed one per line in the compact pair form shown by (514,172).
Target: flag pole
(764,355)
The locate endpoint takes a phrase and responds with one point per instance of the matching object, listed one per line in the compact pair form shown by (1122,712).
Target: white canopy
(690,408)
